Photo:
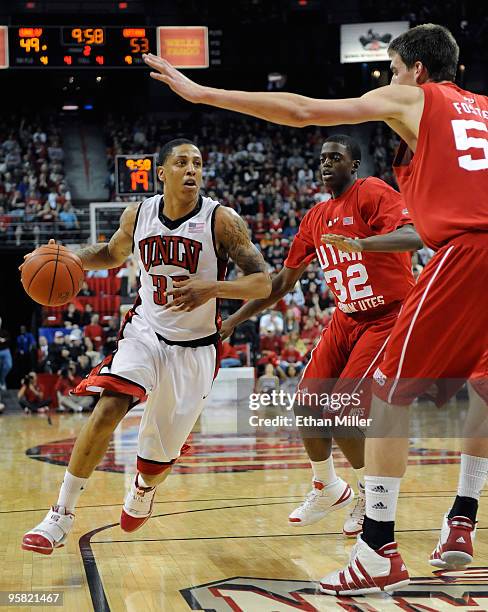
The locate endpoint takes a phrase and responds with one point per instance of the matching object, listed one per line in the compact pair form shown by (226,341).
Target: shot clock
(135,174)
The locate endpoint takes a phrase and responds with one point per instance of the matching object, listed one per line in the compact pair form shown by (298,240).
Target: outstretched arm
(282,284)
(390,103)
(106,255)
(401,240)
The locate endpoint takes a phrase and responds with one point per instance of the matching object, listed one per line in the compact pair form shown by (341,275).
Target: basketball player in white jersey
(166,354)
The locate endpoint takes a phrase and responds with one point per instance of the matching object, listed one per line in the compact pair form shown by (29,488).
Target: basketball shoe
(320,502)
(137,507)
(353,525)
(455,546)
(51,533)
(368,571)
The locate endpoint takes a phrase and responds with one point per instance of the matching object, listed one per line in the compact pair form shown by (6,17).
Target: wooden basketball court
(219,538)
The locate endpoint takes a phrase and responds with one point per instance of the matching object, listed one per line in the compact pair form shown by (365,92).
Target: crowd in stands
(268,174)
(35,201)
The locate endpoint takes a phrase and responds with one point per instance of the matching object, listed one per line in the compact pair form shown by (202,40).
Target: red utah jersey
(445,183)
(360,282)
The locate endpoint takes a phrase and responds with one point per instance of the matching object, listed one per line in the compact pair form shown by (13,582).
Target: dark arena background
(81,126)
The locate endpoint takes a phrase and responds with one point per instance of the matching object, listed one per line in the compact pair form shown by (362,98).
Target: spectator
(91,353)
(71,315)
(290,383)
(298,343)
(84,365)
(310,331)
(68,379)
(42,354)
(85,291)
(268,382)
(87,315)
(291,322)
(68,219)
(26,345)
(229,358)
(5,356)
(30,395)
(94,332)
(271,321)
(270,342)
(110,333)
(291,356)
(56,354)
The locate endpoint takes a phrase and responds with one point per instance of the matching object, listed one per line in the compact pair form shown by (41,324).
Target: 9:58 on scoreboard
(78,46)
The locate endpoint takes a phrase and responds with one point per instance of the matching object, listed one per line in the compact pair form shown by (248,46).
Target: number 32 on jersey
(350,284)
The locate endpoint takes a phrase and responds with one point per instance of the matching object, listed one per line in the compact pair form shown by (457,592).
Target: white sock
(472,476)
(324,471)
(70,491)
(359,477)
(381,497)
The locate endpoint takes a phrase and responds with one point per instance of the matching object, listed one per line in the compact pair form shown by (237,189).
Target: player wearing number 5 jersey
(369,287)
(167,351)
(441,333)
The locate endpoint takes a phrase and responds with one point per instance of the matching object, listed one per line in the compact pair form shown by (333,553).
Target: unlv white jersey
(167,250)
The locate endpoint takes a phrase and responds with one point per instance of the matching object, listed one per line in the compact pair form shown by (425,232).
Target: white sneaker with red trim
(51,533)
(353,525)
(455,546)
(368,571)
(320,502)
(137,507)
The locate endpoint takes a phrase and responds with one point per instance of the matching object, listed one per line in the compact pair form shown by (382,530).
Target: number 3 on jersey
(357,275)
(160,284)
(464,142)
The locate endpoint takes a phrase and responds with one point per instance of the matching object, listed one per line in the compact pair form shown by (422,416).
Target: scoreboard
(135,175)
(79,46)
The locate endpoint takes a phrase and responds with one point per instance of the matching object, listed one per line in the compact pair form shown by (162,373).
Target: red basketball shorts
(441,334)
(345,358)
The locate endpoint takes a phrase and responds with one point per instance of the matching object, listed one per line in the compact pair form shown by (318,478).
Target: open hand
(177,81)
(348,245)
(51,241)
(189,294)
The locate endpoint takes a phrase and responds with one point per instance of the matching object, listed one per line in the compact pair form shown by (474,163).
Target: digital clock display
(135,174)
(79,46)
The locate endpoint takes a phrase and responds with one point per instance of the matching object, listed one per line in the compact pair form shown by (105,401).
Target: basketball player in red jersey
(369,288)
(182,241)
(441,333)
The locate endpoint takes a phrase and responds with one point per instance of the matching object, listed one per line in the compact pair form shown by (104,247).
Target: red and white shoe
(320,502)
(353,525)
(137,507)
(51,533)
(368,571)
(455,546)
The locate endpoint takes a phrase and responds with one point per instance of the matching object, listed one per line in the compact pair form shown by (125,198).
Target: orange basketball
(52,275)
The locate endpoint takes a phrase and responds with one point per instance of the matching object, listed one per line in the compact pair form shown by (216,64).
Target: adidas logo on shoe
(379,506)
(403,568)
(379,489)
(461,540)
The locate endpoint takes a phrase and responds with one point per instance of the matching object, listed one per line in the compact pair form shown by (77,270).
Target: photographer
(30,395)
(68,380)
